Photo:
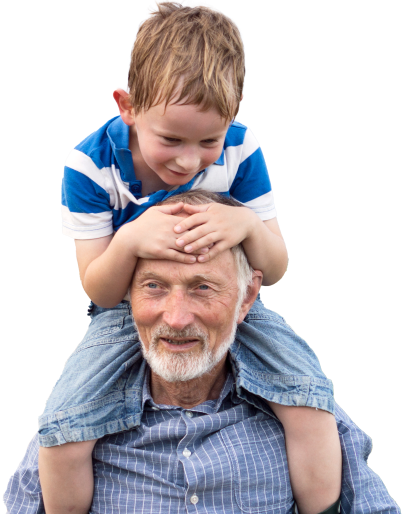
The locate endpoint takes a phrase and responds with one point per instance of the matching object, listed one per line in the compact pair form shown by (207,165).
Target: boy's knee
(67,454)
(305,420)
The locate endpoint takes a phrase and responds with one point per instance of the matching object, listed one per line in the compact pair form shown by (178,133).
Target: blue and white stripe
(223,457)
(100,192)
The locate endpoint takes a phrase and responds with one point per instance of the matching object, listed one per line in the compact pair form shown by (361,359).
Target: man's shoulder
(345,423)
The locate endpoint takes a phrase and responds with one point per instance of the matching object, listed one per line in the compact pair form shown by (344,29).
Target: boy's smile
(171,144)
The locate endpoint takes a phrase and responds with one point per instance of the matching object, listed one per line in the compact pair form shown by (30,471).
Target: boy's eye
(173,140)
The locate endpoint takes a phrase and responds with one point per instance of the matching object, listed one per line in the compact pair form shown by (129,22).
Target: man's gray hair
(200,197)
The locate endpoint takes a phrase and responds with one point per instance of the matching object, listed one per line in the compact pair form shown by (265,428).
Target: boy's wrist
(254,224)
(125,243)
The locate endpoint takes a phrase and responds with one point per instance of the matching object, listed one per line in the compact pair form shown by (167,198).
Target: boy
(174,133)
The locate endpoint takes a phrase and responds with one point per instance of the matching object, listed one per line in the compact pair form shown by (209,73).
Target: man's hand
(213,226)
(152,236)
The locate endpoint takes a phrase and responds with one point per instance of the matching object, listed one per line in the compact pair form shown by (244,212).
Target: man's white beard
(183,366)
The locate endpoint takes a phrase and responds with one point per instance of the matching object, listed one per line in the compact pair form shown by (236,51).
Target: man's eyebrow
(200,277)
(144,275)
(207,278)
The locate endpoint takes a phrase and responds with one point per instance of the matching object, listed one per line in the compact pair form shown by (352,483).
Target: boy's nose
(189,160)
(176,312)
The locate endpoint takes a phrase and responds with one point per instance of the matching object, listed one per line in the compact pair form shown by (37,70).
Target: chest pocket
(261,476)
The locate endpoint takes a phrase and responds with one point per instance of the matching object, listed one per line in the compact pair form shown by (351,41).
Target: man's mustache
(191,332)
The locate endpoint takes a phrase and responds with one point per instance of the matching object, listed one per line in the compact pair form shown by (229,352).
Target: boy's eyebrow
(167,133)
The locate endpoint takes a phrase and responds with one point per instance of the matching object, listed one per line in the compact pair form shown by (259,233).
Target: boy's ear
(125,107)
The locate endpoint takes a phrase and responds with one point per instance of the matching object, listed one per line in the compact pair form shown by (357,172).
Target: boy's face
(178,141)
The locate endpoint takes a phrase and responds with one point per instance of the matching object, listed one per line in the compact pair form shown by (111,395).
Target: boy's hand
(215,224)
(152,236)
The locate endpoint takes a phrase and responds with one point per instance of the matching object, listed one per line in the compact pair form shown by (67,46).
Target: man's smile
(179,344)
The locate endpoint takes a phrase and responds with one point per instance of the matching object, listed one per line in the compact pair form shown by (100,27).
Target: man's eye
(152,285)
(204,287)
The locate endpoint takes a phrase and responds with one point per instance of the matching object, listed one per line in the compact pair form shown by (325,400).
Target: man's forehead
(221,269)
(161,273)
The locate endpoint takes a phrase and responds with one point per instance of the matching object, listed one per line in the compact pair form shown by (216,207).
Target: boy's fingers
(174,208)
(191,223)
(173,255)
(193,209)
(201,251)
(188,223)
(217,248)
(199,241)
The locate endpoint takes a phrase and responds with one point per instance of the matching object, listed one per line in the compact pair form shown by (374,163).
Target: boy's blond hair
(192,55)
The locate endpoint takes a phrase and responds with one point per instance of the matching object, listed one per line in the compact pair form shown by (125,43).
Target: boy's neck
(150,181)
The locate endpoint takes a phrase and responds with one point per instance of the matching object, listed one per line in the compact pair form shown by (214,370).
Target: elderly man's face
(185,314)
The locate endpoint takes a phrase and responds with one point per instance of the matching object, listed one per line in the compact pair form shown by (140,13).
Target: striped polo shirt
(100,192)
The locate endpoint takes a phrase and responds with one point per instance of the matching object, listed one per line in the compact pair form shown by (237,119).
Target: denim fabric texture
(100,390)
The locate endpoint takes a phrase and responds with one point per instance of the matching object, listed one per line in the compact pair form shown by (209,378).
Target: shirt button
(194,499)
(155,408)
(186,453)
(189,414)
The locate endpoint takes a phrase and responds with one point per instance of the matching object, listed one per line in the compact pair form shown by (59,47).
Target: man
(203,442)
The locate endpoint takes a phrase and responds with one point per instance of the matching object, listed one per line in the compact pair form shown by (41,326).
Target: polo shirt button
(194,499)
(189,414)
(186,453)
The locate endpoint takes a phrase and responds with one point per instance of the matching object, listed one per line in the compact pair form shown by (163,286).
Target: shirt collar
(215,405)
(220,161)
(118,134)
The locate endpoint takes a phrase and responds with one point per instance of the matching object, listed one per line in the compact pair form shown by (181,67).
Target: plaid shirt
(222,456)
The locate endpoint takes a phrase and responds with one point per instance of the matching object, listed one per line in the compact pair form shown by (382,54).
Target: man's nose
(189,159)
(176,312)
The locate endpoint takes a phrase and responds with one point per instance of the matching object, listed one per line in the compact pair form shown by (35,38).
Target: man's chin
(182,366)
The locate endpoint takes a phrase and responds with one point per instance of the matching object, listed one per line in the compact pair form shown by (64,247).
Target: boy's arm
(266,250)
(106,268)
(226,226)
(107,264)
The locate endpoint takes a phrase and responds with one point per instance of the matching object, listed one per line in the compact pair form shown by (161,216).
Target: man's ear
(126,110)
(252,293)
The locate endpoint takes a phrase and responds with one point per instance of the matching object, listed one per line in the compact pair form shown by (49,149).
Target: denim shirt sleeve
(23,494)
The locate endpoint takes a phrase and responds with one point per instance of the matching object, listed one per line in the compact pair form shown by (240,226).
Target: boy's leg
(314,456)
(91,398)
(276,364)
(66,476)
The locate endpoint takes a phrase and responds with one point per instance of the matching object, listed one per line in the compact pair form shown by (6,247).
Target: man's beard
(183,366)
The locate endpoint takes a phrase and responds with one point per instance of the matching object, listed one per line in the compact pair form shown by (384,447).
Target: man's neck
(191,393)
